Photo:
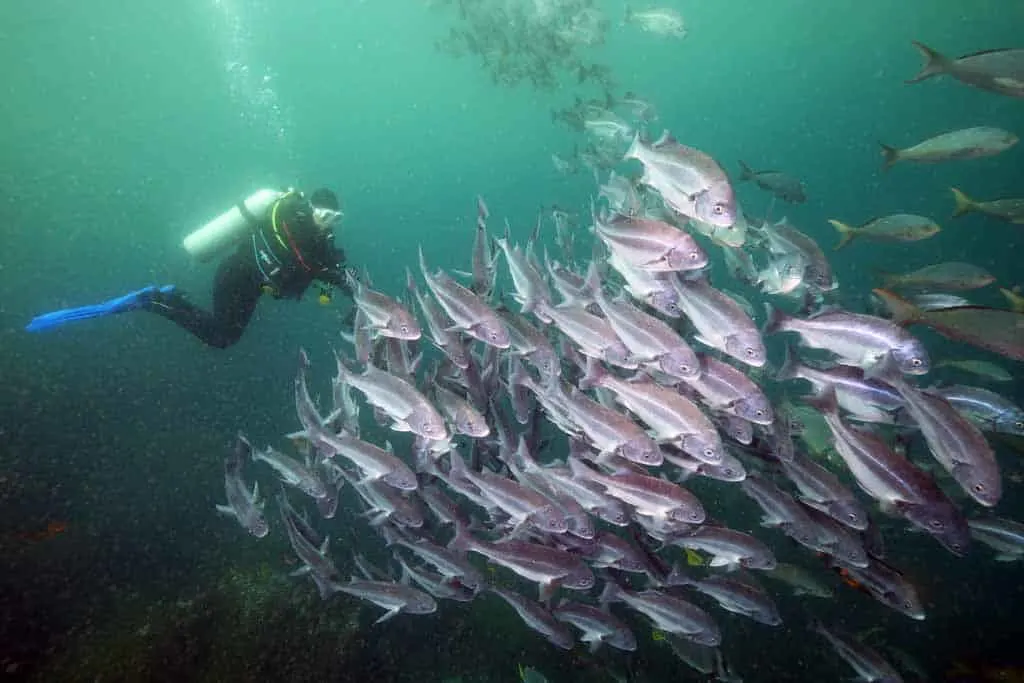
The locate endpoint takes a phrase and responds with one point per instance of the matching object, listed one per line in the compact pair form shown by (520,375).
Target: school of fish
(585,419)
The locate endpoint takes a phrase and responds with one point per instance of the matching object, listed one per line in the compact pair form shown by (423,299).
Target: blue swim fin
(121,304)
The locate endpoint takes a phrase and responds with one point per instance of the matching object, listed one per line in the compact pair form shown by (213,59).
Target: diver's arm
(334,274)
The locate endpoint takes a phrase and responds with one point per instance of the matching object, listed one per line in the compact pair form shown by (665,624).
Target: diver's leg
(236,290)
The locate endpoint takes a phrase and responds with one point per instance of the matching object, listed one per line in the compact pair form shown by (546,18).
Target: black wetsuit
(285,252)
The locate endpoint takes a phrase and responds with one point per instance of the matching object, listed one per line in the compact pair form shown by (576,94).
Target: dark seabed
(128,125)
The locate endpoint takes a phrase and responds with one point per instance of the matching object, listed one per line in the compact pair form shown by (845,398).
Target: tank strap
(246,213)
(290,244)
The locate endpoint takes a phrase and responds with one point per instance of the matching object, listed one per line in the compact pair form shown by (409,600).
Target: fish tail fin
(676,577)
(903,312)
(423,265)
(934,63)
(635,148)
(610,593)
(790,366)
(746,173)
(964,204)
(846,233)
(462,540)
(889,280)
(593,375)
(890,156)
(824,401)
(776,319)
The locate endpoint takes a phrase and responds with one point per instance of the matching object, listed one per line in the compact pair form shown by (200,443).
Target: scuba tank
(228,228)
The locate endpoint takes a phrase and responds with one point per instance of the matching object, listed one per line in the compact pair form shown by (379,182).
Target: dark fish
(897,484)
(869,665)
(994,329)
(243,505)
(998,71)
(785,187)
(821,489)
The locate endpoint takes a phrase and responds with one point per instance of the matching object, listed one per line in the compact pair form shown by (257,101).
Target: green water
(127,125)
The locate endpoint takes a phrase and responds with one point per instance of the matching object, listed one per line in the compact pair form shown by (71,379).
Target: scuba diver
(281,243)
(291,244)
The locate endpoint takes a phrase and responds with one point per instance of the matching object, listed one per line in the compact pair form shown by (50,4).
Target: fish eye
(907,604)
(750,351)
(694,256)
(709,452)
(978,488)
(405,329)
(852,516)
(937,524)
(718,209)
(916,362)
(759,412)
(1018,425)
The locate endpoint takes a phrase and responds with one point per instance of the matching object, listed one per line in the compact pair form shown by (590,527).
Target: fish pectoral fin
(226,510)
(400,426)
(301,571)
(388,615)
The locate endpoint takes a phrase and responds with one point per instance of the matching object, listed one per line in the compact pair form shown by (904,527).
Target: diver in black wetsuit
(289,247)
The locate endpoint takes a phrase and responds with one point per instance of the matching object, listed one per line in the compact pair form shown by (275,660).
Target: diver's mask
(324,218)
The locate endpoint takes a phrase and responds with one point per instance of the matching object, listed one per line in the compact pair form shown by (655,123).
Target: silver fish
(998,71)
(522,504)
(690,181)
(396,598)
(967,143)
(869,665)
(243,505)
(292,472)
(723,387)
(721,323)
(855,338)
(315,561)
(597,625)
(729,548)
(896,483)
(956,442)
(821,489)
(537,618)
(649,339)
(470,313)
(531,292)
(868,399)
(651,245)
(548,567)
(673,417)
(987,409)
(737,595)
(1005,536)
(668,613)
(651,496)
(384,315)
(593,335)
(408,409)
